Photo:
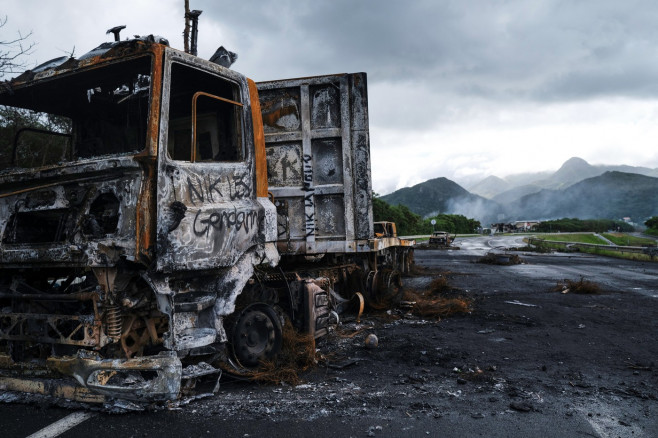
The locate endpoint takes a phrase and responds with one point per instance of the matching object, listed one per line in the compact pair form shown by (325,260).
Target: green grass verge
(598,251)
(574,237)
(620,255)
(622,239)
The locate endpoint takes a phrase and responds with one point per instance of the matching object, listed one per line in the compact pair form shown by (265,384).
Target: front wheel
(257,335)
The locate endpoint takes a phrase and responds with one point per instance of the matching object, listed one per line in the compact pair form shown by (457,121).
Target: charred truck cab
(139,231)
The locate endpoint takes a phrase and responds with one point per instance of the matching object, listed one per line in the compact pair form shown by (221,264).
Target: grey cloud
(501,49)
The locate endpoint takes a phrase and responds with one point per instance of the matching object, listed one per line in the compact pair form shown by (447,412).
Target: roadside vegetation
(652,226)
(569,243)
(622,239)
(409,223)
(619,255)
(576,238)
(575,225)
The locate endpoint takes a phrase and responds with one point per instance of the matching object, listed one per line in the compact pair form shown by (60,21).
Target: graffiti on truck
(218,220)
(211,189)
(309,190)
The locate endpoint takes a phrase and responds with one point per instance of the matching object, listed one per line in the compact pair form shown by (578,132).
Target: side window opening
(215,112)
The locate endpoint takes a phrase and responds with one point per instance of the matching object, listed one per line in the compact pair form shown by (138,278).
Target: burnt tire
(257,335)
(383,288)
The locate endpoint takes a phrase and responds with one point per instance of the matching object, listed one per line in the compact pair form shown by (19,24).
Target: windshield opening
(93,113)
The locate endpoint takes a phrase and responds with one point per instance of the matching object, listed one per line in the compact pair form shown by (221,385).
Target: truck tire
(257,335)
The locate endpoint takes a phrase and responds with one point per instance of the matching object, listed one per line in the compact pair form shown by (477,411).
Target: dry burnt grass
(439,299)
(531,248)
(299,354)
(434,301)
(581,286)
(501,259)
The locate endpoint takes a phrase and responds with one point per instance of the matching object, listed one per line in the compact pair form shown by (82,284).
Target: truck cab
(119,239)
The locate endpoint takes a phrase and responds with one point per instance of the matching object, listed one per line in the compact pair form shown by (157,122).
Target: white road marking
(61,426)
(519,303)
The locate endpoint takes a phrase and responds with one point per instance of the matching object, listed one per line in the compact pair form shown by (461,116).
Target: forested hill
(440,195)
(612,195)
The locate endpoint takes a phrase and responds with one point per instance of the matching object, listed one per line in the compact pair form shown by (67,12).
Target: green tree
(652,223)
(574,225)
(406,221)
(454,223)
(32,148)
(409,223)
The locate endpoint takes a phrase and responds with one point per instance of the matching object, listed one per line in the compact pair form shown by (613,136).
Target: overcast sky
(458,88)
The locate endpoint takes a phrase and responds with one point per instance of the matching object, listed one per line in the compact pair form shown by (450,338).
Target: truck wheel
(383,288)
(393,282)
(257,335)
(408,261)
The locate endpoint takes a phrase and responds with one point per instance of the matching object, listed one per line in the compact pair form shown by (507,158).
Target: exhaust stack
(116,31)
(194,17)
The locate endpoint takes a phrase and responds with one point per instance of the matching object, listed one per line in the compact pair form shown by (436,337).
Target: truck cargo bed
(318,162)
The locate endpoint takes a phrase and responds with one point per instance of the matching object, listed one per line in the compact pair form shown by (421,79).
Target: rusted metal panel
(146,203)
(259,141)
(361,144)
(151,378)
(316,134)
(51,387)
(51,225)
(220,214)
(81,330)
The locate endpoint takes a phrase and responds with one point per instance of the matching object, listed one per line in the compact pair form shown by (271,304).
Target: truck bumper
(146,379)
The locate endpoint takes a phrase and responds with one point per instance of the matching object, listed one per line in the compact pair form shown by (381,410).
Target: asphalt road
(526,362)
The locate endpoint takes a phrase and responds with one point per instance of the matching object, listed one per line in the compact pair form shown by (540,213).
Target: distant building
(525,225)
(515,227)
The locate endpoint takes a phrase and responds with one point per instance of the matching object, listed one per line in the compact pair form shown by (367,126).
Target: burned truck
(162,217)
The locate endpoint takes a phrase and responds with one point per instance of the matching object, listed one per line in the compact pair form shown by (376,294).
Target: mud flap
(316,306)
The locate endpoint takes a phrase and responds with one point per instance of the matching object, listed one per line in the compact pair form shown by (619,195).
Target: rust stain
(146,202)
(259,142)
(57,389)
(156,96)
(272,116)
(146,212)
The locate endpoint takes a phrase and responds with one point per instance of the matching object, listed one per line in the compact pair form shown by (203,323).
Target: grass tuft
(433,303)
(581,286)
(501,259)
(297,356)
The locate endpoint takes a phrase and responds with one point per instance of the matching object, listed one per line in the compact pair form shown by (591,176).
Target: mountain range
(576,189)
